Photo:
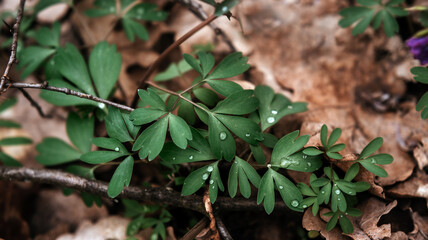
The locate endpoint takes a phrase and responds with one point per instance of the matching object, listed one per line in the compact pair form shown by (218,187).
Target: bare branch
(34,103)
(197,10)
(12,57)
(69,92)
(158,195)
(222,228)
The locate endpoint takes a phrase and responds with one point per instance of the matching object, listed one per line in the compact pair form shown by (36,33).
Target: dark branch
(34,103)
(158,195)
(69,92)
(12,57)
(197,10)
(222,228)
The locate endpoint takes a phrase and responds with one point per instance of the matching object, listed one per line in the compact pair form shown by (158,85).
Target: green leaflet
(80,130)
(54,151)
(244,173)
(151,140)
(121,177)
(220,139)
(288,145)
(179,130)
(115,125)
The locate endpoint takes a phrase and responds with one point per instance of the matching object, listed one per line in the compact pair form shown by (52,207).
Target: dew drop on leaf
(322,192)
(274,112)
(205,176)
(116,149)
(305,206)
(191,157)
(269,166)
(210,168)
(211,181)
(281,187)
(224,9)
(173,158)
(294,203)
(111,9)
(270,119)
(304,156)
(247,135)
(290,107)
(101,105)
(337,191)
(223,136)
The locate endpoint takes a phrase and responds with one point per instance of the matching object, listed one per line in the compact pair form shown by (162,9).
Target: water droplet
(236,162)
(349,192)
(281,187)
(283,163)
(338,199)
(247,134)
(309,164)
(213,187)
(269,166)
(294,203)
(305,206)
(337,191)
(274,112)
(224,9)
(210,168)
(191,157)
(305,156)
(270,119)
(205,176)
(290,107)
(211,181)
(173,158)
(117,149)
(101,105)
(373,160)
(223,136)
(322,192)
(342,216)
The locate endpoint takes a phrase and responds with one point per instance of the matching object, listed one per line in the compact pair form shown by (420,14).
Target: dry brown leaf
(373,210)
(315,223)
(416,186)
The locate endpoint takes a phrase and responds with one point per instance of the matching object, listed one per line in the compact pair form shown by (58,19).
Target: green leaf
(324,194)
(71,65)
(193,63)
(44,4)
(397,11)
(207,63)
(273,106)
(102,8)
(352,172)
(115,126)
(243,171)
(111,144)
(142,116)
(196,180)
(376,170)
(334,155)
(367,3)
(186,111)
(9,124)
(323,135)
(225,6)
(338,200)
(258,153)
(121,177)
(372,147)
(305,190)
(332,222)
(151,140)
(288,145)
(134,226)
(49,38)
(179,131)
(346,187)
(289,192)
(215,182)
(312,151)
(421,74)
(61,99)
(269,140)
(352,14)
(220,139)
(54,151)
(146,11)
(7,104)
(206,96)
(345,224)
(381,158)
(301,162)
(361,186)
(238,103)
(390,24)
(152,99)
(334,136)
(9,161)
(132,129)
(98,157)
(133,28)
(244,128)
(266,193)
(364,23)
(174,70)
(354,212)
(200,150)
(320,182)
(394,2)
(224,87)
(337,147)
(232,65)
(8,141)
(80,130)
(104,65)
(32,58)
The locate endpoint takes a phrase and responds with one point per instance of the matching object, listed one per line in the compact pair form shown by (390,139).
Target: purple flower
(419,48)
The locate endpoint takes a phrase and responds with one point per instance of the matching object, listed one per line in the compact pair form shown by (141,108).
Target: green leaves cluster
(129,14)
(373,12)
(329,147)
(10,141)
(145,216)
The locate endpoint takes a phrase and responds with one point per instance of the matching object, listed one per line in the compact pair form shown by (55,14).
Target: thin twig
(69,92)
(199,12)
(12,57)
(192,233)
(34,103)
(222,228)
(165,53)
(159,195)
